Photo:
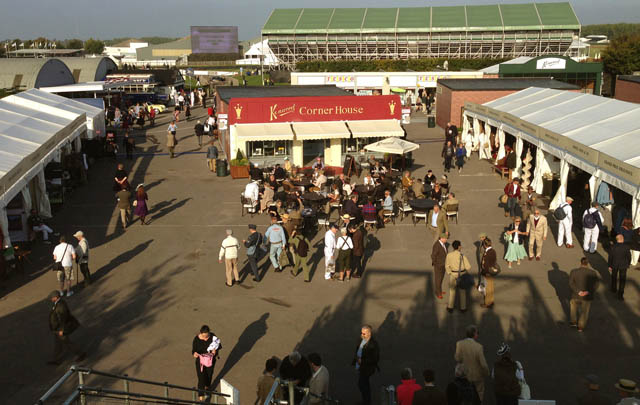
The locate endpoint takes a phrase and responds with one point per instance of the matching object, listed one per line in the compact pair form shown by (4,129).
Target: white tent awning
(395,146)
(264,132)
(320,130)
(375,128)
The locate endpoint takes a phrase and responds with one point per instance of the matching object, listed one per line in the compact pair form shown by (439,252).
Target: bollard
(83,399)
(166,389)
(291,394)
(126,389)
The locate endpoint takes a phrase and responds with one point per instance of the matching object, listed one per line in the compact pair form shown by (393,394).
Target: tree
(74,44)
(93,46)
(622,57)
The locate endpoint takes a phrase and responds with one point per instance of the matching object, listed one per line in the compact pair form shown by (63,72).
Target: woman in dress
(141,209)
(515,239)
(204,350)
(121,181)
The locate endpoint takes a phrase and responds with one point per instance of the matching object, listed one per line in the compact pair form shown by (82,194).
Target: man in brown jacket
(583,282)
(470,353)
(438,259)
(537,228)
(437,222)
(357,236)
(124,204)
(489,260)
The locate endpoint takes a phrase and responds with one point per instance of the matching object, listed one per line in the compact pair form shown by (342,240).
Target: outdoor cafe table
(422,204)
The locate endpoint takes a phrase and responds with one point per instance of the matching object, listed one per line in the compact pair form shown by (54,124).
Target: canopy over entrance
(392,145)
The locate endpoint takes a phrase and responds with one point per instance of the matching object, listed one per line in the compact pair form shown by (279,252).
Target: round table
(422,204)
(302,183)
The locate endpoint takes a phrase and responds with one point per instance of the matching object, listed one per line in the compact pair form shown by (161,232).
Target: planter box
(240,172)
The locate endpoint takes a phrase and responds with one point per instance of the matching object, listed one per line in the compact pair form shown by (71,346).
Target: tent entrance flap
(264,132)
(375,128)
(320,130)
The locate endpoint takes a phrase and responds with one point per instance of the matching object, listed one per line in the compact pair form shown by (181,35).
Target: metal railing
(291,388)
(125,396)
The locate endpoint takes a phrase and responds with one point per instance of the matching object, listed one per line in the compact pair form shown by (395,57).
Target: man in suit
(529,202)
(456,265)
(62,324)
(365,361)
(437,221)
(583,282)
(537,228)
(319,383)
(438,259)
(489,260)
(512,190)
(619,262)
(470,353)
(429,395)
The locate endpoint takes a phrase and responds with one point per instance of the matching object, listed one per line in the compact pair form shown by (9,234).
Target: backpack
(589,220)
(303,248)
(559,213)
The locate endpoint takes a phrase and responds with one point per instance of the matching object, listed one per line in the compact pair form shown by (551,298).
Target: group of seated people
(428,187)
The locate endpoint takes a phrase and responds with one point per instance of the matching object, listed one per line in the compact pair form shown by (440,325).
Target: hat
(569,199)
(78,234)
(443,235)
(347,216)
(253,226)
(139,185)
(626,385)
(592,379)
(53,294)
(286,158)
(503,349)
(285,216)
(482,235)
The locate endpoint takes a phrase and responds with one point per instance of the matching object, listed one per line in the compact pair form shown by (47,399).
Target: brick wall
(627,91)
(449,104)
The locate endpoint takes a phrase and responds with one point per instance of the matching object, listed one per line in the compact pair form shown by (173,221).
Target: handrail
(289,384)
(132,379)
(87,391)
(57,385)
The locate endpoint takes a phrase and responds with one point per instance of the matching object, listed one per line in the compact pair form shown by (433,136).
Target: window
(353,145)
(268,148)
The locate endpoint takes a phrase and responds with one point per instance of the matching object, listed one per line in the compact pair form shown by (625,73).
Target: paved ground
(158,284)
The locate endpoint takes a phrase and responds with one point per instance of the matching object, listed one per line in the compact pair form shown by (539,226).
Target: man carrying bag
(62,324)
(457,267)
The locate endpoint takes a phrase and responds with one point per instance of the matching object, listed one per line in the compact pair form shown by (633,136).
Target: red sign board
(311,109)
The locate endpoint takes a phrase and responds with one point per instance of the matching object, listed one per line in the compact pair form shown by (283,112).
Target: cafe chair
(247,205)
(452,211)
(404,210)
(391,215)
(418,216)
(370,223)
(324,222)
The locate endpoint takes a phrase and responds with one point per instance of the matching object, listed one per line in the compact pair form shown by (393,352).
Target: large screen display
(214,39)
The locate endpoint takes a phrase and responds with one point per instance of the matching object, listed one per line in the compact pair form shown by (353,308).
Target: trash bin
(431,121)
(221,167)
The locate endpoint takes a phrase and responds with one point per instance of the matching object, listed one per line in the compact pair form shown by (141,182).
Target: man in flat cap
(253,244)
(62,324)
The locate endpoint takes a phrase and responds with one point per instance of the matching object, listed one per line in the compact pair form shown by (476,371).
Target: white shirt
(65,257)
(434,219)
(329,243)
(211,121)
(569,211)
(368,181)
(181,98)
(591,211)
(344,243)
(229,248)
(252,191)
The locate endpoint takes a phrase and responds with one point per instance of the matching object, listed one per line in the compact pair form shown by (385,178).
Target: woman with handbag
(140,203)
(205,349)
(515,237)
(457,267)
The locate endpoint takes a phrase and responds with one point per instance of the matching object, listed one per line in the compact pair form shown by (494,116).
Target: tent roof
(52,100)
(27,73)
(509,17)
(392,145)
(89,69)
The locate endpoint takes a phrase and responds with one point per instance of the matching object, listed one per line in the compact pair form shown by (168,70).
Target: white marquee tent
(29,139)
(62,106)
(598,135)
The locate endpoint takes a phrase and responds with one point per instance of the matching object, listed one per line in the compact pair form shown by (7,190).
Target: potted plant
(239,166)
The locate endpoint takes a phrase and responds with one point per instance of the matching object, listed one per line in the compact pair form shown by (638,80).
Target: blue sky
(126,18)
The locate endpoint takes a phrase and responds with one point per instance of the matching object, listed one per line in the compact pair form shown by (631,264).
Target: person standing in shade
(429,394)
(537,228)
(205,350)
(470,353)
(301,246)
(357,236)
(365,361)
(266,380)
(628,390)
(82,256)
(319,383)
(141,208)
(124,205)
(565,224)
(489,261)
(438,223)
(619,262)
(512,190)
(438,259)
(407,387)
(592,225)
(583,282)
(461,391)
(199,130)
(64,254)
(456,264)
(277,240)
(329,251)
(296,368)
(229,251)
(253,243)
(505,376)
(172,129)
(62,324)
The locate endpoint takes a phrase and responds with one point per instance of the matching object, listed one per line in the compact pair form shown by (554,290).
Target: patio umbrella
(392,145)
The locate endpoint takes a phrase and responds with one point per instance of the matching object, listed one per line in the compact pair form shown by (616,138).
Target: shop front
(268,130)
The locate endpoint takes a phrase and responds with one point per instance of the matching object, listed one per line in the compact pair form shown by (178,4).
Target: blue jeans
(512,203)
(274,254)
